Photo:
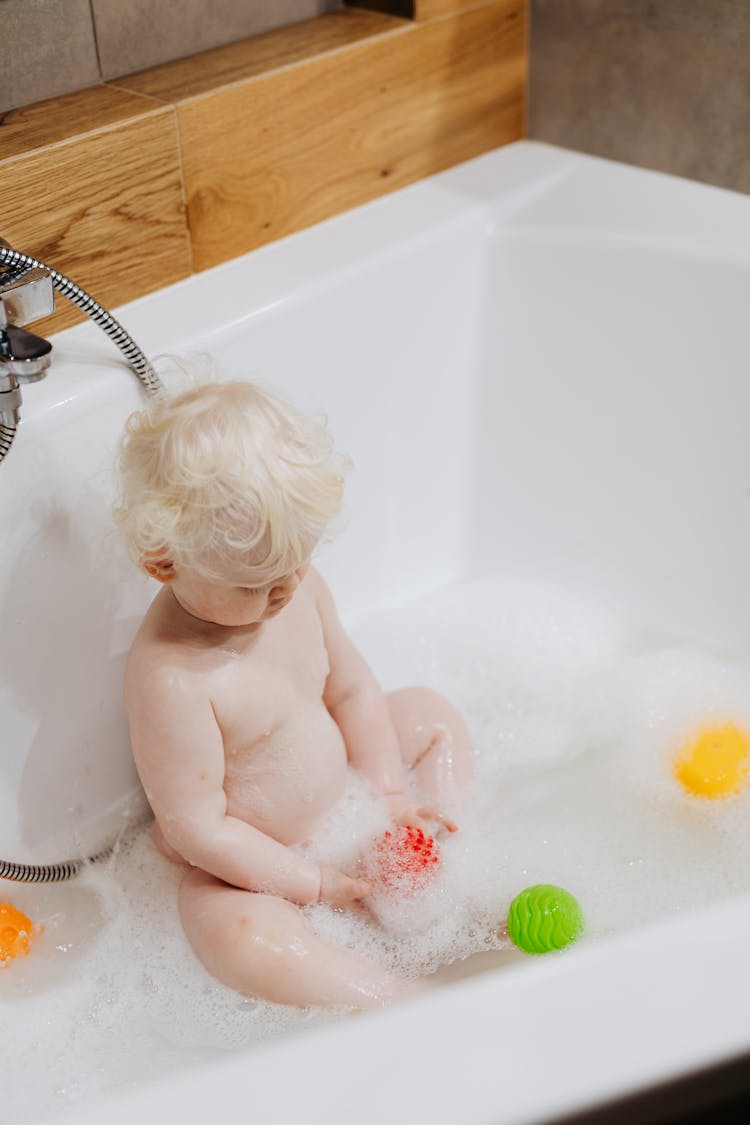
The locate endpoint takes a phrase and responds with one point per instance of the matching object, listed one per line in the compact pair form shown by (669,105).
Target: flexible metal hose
(16,263)
(7,433)
(48,872)
(84,301)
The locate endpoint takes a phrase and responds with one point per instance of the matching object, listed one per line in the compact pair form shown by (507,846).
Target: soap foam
(575,733)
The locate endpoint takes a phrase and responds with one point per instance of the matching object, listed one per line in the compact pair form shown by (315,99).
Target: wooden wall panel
(127,187)
(91,184)
(258,57)
(431,9)
(278,152)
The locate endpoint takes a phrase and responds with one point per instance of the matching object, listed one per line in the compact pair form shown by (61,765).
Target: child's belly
(286,783)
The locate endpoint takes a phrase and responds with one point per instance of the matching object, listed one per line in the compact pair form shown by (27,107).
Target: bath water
(575,727)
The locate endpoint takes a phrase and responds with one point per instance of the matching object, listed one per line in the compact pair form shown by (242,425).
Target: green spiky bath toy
(543,917)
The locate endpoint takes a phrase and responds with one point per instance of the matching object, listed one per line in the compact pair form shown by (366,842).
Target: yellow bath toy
(16,932)
(716,764)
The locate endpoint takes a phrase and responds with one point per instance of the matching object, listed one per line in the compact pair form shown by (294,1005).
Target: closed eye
(269,585)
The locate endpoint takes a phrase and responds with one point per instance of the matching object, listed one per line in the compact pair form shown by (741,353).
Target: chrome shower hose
(84,301)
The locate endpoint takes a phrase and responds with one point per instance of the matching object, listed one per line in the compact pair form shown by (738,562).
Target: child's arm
(357,704)
(179,754)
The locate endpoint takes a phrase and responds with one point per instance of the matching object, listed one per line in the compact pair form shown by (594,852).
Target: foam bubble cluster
(575,733)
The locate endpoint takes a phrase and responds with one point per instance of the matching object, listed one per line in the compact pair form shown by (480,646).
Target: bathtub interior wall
(519,396)
(68,609)
(386,351)
(613,403)
(389,354)
(611,428)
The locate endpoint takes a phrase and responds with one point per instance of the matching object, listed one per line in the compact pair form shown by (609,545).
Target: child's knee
(426,714)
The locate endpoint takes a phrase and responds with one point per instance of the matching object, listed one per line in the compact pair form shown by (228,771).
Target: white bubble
(575,735)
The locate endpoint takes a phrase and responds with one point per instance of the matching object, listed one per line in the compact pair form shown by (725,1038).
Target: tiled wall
(50,47)
(660,83)
(202,158)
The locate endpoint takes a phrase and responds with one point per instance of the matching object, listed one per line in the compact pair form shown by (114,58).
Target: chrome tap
(26,295)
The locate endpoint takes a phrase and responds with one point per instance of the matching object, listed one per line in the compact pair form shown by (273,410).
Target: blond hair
(226,477)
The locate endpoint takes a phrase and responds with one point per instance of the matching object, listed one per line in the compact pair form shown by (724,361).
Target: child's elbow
(356,693)
(192,838)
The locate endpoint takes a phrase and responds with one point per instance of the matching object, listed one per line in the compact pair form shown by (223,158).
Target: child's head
(226,481)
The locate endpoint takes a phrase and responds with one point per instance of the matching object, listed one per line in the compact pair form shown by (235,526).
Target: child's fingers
(362,888)
(433,814)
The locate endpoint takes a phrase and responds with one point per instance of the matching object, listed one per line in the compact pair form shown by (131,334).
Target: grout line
(96,39)
(527,80)
(183,191)
(155,106)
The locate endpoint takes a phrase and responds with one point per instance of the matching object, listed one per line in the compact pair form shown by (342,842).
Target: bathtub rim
(604,1052)
(495,193)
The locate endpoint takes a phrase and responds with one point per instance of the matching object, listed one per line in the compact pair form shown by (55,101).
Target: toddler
(246,700)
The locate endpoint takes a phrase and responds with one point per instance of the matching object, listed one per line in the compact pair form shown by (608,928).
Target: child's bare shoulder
(159,656)
(319,589)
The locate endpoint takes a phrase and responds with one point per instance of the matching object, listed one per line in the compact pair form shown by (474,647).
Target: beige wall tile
(47,48)
(664,85)
(135,34)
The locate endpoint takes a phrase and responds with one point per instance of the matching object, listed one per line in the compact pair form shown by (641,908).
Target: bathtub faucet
(26,295)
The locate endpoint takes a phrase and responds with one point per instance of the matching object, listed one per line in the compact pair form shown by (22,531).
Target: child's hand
(338,889)
(405,812)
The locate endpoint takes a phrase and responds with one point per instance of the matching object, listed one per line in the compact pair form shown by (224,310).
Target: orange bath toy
(16,932)
(404,860)
(716,763)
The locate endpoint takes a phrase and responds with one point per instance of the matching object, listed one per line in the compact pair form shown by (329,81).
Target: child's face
(233,604)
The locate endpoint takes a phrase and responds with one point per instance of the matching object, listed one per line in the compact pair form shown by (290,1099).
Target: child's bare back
(248,702)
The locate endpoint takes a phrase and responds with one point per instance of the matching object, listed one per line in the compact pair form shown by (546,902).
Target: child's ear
(158,567)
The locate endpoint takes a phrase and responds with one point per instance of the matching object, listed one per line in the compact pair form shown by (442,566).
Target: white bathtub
(545,353)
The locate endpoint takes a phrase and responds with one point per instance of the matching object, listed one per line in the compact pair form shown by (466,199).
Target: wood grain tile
(258,56)
(262,137)
(271,155)
(432,9)
(104,207)
(69,117)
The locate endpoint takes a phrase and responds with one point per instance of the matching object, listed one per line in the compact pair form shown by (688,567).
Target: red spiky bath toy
(404,860)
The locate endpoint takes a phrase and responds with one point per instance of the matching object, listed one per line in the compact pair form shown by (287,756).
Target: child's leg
(264,946)
(434,742)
